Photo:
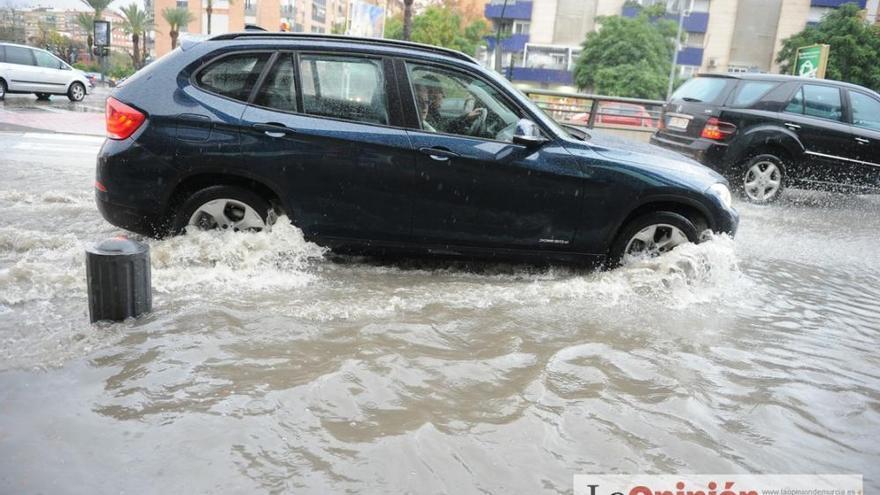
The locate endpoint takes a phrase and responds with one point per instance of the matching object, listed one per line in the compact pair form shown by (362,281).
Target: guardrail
(634,117)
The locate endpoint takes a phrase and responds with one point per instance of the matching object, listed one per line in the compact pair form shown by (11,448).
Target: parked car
(617,113)
(768,132)
(350,138)
(24,69)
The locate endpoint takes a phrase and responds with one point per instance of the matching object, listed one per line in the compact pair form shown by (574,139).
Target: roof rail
(332,37)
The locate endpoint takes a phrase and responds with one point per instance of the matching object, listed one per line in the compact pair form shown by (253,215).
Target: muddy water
(271,366)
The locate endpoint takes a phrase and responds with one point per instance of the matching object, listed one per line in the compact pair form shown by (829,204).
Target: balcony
(547,76)
(695,22)
(515,10)
(836,3)
(512,43)
(690,56)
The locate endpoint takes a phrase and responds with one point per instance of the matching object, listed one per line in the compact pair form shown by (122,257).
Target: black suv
(766,132)
(370,144)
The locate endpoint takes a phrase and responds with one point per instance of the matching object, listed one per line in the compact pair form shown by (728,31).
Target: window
(233,76)
(866,111)
(348,88)
(279,89)
(702,89)
(19,55)
(521,27)
(319,10)
(453,103)
(817,101)
(750,92)
(46,60)
(2,53)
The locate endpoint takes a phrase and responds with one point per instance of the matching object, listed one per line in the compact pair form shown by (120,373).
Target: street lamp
(498,39)
(675,50)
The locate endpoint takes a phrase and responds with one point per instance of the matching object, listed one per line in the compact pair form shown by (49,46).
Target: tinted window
(2,53)
(46,60)
(279,89)
(233,76)
(817,101)
(347,88)
(454,103)
(866,111)
(702,89)
(750,92)
(19,55)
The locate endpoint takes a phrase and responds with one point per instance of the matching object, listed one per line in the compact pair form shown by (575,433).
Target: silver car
(24,69)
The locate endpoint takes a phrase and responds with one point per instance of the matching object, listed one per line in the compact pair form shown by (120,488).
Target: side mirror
(527,133)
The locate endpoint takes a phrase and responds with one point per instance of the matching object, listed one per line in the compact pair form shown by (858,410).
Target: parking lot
(271,365)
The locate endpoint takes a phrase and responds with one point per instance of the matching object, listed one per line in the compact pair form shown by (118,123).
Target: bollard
(118,277)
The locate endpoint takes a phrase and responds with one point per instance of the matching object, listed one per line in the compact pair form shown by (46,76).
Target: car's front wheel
(223,208)
(652,235)
(76,92)
(763,178)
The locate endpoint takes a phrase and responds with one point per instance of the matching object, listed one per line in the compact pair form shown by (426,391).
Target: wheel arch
(770,139)
(687,207)
(195,182)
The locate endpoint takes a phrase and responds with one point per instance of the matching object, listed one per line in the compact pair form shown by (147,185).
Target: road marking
(64,137)
(42,148)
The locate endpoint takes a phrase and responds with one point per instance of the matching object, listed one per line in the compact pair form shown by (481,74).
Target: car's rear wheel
(652,235)
(76,92)
(223,208)
(43,96)
(763,178)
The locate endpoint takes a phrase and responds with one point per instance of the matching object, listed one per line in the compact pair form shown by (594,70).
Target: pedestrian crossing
(30,143)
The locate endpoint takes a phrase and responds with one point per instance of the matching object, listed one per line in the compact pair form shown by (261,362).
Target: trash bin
(118,277)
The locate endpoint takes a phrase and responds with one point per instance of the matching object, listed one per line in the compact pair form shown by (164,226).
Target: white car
(24,69)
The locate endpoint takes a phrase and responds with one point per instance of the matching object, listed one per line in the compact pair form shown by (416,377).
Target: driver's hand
(473,114)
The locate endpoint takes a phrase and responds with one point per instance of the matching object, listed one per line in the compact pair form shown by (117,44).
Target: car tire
(76,91)
(762,178)
(43,96)
(653,234)
(222,207)
(2,89)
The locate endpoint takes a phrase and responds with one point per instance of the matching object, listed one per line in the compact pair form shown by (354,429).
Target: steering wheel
(478,126)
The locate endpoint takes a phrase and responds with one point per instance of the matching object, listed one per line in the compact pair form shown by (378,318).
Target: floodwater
(269,366)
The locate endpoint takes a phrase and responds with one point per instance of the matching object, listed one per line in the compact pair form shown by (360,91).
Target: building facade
(541,39)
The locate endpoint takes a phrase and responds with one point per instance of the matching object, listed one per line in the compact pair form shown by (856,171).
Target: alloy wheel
(78,92)
(226,214)
(654,240)
(762,181)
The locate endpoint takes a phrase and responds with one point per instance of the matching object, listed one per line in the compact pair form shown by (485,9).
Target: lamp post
(675,50)
(498,39)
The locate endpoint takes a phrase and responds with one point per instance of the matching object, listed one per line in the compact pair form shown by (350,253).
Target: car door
(865,141)
(473,185)
(21,65)
(816,114)
(330,132)
(50,78)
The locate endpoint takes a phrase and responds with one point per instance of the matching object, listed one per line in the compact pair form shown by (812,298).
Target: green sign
(811,61)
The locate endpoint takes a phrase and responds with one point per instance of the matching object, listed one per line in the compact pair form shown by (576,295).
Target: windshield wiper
(692,100)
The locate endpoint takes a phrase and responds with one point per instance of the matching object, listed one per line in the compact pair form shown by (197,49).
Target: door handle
(862,140)
(272,129)
(792,126)
(439,154)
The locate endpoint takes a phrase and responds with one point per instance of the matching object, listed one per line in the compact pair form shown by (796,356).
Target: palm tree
(209,9)
(86,21)
(135,22)
(407,19)
(176,17)
(98,6)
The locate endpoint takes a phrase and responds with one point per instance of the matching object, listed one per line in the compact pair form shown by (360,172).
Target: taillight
(122,120)
(717,130)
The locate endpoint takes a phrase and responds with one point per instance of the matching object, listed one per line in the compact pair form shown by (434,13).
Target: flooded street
(270,366)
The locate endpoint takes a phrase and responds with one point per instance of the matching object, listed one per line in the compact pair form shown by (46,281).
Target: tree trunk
(135,58)
(174,34)
(407,19)
(144,49)
(208,11)
(89,42)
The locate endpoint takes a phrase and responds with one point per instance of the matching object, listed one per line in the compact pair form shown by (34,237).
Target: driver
(429,97)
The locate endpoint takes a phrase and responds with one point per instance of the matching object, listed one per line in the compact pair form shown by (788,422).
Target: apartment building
(542,38)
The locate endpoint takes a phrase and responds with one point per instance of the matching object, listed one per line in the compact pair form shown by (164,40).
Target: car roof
(757,76)
(345,40)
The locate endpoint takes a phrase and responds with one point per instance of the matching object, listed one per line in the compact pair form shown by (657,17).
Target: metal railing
(599,111)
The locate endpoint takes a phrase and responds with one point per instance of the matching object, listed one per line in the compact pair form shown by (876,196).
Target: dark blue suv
(378,145)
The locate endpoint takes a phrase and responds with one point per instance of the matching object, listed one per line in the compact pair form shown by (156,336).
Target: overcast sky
(63,4)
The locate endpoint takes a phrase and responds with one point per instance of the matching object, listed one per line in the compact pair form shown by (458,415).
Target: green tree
(176,17)
(86,21)
(440,26)
(62,46)
(99,6)
(628,56)
(135,23)
(855,47)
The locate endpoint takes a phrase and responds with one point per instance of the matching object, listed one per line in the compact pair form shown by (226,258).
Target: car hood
(649,158)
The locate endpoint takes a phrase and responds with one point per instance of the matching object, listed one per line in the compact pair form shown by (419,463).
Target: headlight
(721,192)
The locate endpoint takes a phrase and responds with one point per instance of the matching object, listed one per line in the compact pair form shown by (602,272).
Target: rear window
(702,90)
(2,53)
(233,76)
(750,92)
